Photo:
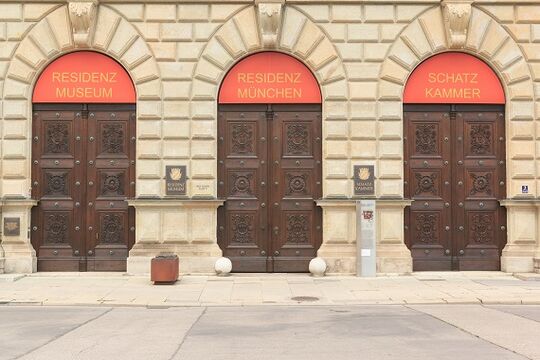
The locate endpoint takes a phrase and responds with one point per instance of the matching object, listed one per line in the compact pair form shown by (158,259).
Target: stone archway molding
(82,26)
(70,27)
(241,35)
(459,26)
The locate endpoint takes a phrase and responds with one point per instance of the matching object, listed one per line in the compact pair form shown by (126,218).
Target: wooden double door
(455,173)
(82,172)
(269,176)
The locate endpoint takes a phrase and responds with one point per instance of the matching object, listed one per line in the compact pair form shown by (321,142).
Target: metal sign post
(366,263)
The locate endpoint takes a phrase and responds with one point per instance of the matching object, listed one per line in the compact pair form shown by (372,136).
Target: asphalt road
(377,332)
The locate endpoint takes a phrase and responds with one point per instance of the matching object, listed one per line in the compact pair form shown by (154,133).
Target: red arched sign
(455,78)
(269,77)
(84,77)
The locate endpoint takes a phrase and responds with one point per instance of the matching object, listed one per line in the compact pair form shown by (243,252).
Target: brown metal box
(164,269)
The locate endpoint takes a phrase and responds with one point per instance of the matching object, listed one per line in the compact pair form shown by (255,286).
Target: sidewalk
(116,289)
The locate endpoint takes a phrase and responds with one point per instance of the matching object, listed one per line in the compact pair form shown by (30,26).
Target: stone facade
(360,52)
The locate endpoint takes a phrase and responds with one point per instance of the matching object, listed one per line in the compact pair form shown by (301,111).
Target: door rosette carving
(56,184)
(112,184)
(297,184)
(481,184)
(426,183)
(241,184)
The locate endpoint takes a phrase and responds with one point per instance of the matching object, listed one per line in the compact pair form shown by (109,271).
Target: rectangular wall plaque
(175,180)
(364,180)
(12,226)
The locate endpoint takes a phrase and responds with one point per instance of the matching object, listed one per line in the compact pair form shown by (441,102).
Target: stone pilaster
(2,255)
(522,221)
(536,258)
(183,227)
(338,246)
(393,256)
(20,256)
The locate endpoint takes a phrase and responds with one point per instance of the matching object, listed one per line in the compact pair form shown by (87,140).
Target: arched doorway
(269,168)
(455,165)
(83,164)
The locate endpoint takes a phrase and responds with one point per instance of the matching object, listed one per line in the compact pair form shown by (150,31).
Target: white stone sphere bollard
(317,266)
(223,266)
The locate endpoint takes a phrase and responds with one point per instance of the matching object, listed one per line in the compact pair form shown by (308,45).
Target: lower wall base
(340,258)
(518,258)
(394,258)
(19,258)
(517,264)
(194,259)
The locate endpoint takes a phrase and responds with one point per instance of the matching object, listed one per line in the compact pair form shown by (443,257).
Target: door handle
(276,230)
(276,253)
(461,252)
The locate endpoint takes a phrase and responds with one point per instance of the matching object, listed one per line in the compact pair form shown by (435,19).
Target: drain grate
(305,298)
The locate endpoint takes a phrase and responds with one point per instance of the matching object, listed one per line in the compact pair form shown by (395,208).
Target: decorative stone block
(347,13)
(160,12)
(363,32)
(222,12)
(193,12)
(11,12)
(176,70)
(176,129)
(379,13)
(407,13)
(363,149)
(175,110)
(35,11)
(527,14)
(132,12)
(176,31)
(375,52)
(176,149)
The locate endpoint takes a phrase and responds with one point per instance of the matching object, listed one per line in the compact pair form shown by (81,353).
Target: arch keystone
(82,16)
(457,15)
(269,15)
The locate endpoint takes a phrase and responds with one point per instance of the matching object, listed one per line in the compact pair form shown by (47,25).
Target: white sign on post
(365,238)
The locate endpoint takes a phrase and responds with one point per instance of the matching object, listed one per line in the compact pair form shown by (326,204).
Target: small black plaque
(364,180)
(12,226)
(176,180)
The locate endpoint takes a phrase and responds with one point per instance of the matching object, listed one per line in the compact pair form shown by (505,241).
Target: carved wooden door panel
(110,179)
(269,174)
(428,183)
(243,183)
(455,221)
(57,234)
(479,183)
(81,175)
(295,185)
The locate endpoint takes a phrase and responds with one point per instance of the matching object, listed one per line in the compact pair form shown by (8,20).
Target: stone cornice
(174,202)
(284,1)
